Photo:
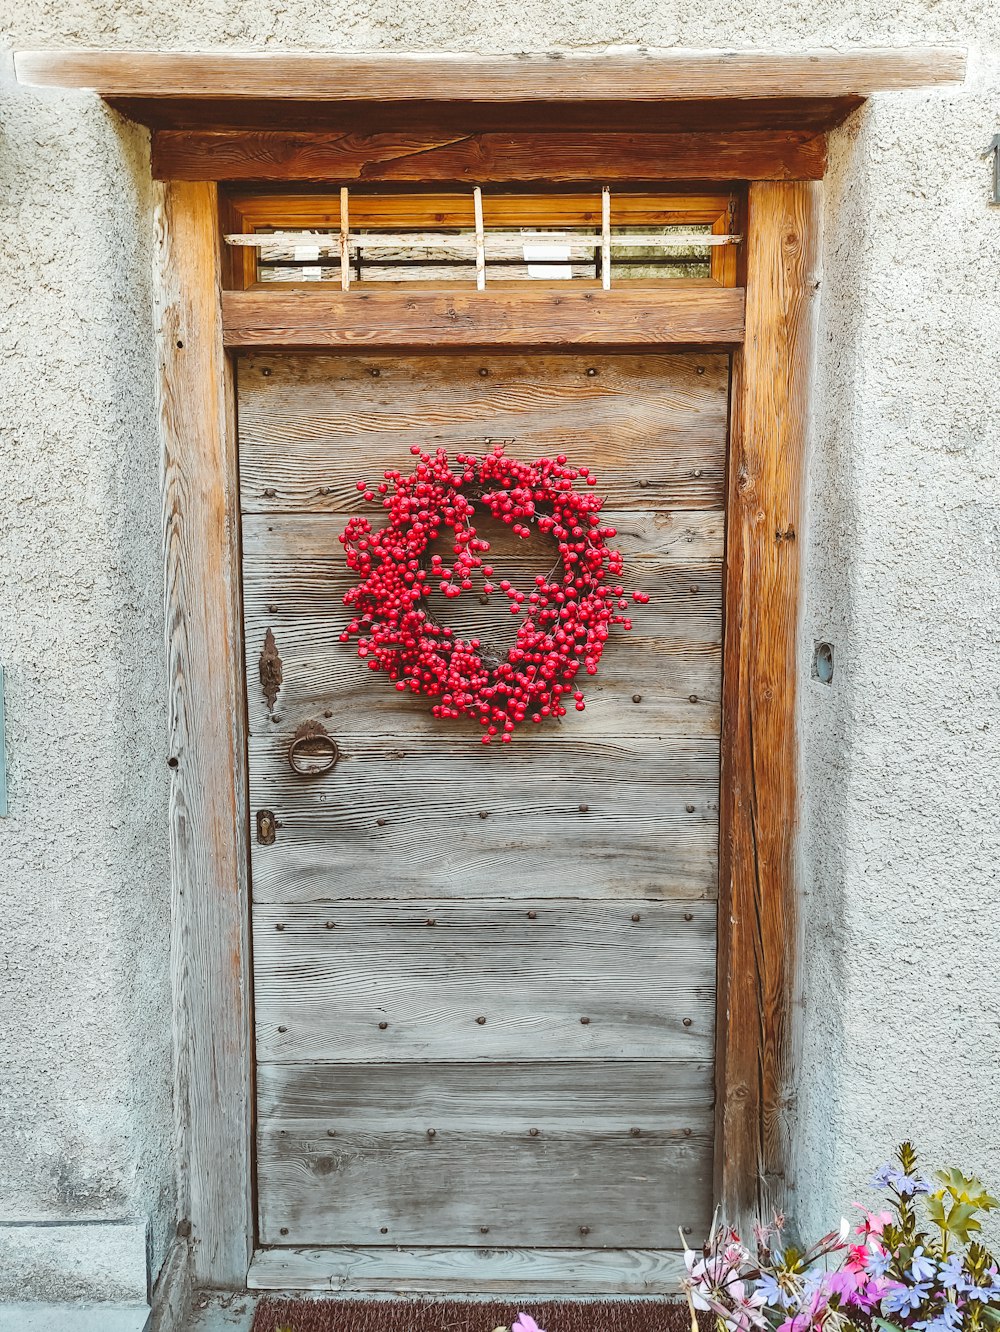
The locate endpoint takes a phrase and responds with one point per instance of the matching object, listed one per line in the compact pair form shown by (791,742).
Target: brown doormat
(398,1315)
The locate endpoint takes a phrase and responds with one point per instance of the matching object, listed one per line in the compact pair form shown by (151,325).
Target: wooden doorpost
(757,908)
(208,822)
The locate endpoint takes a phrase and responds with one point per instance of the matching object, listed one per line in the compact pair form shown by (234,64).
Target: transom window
(592,236)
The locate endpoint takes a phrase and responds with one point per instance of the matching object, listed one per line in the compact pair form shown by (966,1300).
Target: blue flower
(952,1274)
(981,1293)
(774,1296)
(922,1268)
(948,1320)
(886,1176)
(878,1263)
(905,1298)
(907,1185)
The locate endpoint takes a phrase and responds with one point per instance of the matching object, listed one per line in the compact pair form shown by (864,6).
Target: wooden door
(484,977)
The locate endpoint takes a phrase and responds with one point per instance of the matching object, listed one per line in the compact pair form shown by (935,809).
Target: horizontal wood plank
(350,1153)
(555,77)
(653,426)
(451,206)
(295,577)
(398,317)
(615,818)
(487,158)
(521,1273)
(581,116)
(496,1099)
(330,975)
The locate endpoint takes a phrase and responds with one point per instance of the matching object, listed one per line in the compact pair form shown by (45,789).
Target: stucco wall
(85,1046)
(901,844)
(899,839)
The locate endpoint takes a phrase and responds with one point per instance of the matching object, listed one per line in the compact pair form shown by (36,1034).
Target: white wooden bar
(344,239)
(468,243)
(477,196)
(606,238)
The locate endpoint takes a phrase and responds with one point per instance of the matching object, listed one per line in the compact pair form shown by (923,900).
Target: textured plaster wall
(85,1046)
(900,840)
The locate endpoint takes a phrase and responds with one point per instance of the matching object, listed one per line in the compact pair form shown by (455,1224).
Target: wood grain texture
(521,1272)
(397,316)
(653,426)
(650,828)
(319,209)
(633,76)
(431,1149)
(582,116)
(539,866)
(758,905)
(531,979)
(295,578)
(487,158)
(208,800)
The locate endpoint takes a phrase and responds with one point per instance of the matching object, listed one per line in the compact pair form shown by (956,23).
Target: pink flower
(874,1222)
(525,1323)
(857,1261)
(746,1313)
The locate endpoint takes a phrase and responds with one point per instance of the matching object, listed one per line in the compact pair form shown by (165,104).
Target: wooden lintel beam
(357,320)
(556,77)
(487,158)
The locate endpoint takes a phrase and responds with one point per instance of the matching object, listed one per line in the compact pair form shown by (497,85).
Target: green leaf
(967,1189)
(885,1325)
(962,1221)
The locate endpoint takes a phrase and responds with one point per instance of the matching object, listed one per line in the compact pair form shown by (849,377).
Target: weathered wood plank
(583,117)
(758,907)
(468,1271)
(652,426)
(564,76)
(404,817)
(385,316)
(295,578)
(431,1149)
(451,206)
(646,987)
(447,1097)
(487,157)
(208,799)
(656,538)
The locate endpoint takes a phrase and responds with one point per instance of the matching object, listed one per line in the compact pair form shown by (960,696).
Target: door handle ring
(313,752)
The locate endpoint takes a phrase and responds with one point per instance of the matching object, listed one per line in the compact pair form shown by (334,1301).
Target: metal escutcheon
(313,751)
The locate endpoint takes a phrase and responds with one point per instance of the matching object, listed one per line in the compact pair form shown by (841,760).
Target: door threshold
(487,1273)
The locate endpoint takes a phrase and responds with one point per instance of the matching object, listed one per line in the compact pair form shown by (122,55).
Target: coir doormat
(338,1315)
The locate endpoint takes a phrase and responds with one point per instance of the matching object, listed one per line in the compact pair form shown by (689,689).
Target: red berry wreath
(565,619)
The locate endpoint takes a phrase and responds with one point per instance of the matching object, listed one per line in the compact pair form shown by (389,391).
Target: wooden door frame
(209,815)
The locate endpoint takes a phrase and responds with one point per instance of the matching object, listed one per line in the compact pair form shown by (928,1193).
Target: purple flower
(525,1323)
(922,1268)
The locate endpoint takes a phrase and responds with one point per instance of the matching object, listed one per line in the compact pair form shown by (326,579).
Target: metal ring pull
(312,752)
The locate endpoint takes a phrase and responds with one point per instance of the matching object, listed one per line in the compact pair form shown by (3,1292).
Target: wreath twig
(564,619)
